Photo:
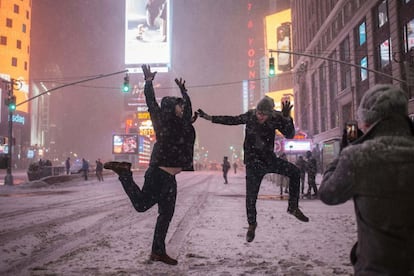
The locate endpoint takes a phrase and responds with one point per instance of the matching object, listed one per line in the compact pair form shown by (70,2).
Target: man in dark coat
(259,156)
(172,152)
(377,172)
(301,164)
(311,169)
(225,167)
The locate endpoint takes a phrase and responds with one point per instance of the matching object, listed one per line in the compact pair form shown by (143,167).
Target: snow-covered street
(90,228)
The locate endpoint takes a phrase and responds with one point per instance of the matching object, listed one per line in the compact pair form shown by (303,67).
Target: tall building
(342,48)
(15,26)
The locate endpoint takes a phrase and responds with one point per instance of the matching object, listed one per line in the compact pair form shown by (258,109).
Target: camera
(351,128)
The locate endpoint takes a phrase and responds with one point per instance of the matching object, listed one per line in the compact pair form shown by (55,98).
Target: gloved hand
(204,115)
(148,75)
(181,84)
(194,118)
(286,108)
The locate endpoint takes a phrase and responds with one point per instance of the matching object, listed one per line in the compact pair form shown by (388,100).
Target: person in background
(301,164)
(311,169)
(99,169)
(377,172)
(284,181)
(67,165)
(235,167)
(85,168)
(259,156)
(171,154)
(225,167)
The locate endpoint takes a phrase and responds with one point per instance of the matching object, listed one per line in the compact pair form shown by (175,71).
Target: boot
(120,168)
(295,211)
(163,258)
(251,232)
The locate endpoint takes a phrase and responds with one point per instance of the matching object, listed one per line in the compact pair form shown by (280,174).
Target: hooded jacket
(377,172)
(259,141)
(171,148)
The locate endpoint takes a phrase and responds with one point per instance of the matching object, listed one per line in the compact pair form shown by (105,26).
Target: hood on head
(168,104)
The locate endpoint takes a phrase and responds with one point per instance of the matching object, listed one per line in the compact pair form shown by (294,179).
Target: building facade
(15,26)
(341,49)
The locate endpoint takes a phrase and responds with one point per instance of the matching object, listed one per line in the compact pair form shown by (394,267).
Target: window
(362,36)
(409,36)
(19,44)
(27,15)
(385,53)
(16,8)
(363,72)
(24,28)
(3,40)
(14,61)
(9,22)
(25,65)
(382,14)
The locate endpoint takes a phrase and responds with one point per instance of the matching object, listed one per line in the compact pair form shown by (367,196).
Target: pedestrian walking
(225,167)
(301,164)
(172,152)
(311,170)
(259,157)
(99,170)
(377,172)
(85,168)
(235,167)
(67,165)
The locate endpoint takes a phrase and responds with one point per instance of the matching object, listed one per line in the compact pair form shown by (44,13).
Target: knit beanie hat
(266,105)
(380,101)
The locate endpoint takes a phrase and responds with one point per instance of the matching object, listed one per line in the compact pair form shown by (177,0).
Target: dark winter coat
(311,166)
(173,137)
(259,140)
(377,171)
(225,166)
(189,131)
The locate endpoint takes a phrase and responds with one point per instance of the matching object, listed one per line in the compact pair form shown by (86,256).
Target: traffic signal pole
(8,180)
(338,61)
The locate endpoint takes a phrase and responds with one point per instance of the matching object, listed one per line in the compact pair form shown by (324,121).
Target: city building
(15,27)
(341,49)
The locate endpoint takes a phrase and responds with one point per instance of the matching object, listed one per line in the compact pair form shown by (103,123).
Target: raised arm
(188,110)
(150,99)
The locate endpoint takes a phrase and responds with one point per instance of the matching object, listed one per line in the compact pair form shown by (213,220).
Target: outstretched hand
(181,83)
(203,114)
(286,108)
(148,75)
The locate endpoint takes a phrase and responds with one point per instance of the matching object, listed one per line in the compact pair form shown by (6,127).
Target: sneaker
(251,232)
(298,214)
(118,167)
(163,258)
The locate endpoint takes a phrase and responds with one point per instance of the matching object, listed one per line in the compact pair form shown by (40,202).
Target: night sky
(82,38)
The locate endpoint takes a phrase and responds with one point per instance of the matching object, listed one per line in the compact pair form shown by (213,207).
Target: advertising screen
(125,144)
(148,33)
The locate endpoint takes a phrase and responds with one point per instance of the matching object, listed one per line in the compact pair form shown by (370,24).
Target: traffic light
(271,67)
(125,86)
(11,103)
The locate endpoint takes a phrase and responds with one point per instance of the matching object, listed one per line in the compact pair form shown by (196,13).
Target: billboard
(148,34)
(125,144)
(278,37)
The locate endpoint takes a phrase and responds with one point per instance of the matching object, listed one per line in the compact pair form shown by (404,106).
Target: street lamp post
(8,179)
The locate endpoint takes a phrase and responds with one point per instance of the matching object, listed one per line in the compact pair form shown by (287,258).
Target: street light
(11,104)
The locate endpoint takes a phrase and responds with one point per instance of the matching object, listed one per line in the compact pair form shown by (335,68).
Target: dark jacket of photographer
(172,146)
(259,141)
(377,171)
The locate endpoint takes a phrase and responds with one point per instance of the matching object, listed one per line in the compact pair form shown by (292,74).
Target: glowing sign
(148,33)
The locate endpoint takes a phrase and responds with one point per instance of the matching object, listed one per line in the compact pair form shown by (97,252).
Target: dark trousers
(254,175)
(225,176)
(159,188)
(302,181)
(312,183)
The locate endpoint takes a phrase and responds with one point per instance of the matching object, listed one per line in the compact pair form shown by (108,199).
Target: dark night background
(72,40)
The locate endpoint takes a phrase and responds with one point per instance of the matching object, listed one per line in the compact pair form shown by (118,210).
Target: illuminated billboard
(148,34)
(278,37)
(124,144)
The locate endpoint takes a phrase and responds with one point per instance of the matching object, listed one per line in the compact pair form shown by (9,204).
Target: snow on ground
(105,236)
